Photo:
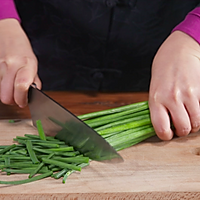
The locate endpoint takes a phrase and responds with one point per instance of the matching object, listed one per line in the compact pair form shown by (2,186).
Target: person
(106,45)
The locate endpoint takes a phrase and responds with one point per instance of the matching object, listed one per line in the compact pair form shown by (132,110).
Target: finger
(7,81)
(193,109)
(180,118)
(0,87)
(1,75)
(161,121)
(24,78)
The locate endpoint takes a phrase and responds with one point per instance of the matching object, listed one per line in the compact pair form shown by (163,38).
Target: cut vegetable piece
(39,167)
(40,130)
(68,173)
(31,152)
(61,164)
(41,176)
(3,151)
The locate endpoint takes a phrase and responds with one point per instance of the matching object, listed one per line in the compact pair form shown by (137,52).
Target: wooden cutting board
(153,169)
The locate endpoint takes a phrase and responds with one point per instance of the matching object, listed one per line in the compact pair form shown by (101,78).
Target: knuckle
(155,97)
(175,95)
(189,93)
(19,61)
(14,61)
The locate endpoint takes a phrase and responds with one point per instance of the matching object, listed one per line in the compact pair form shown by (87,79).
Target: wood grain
(78,102)
(153,169)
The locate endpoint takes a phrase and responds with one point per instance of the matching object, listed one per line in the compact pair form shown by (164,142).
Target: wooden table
(153,169)
(78,103)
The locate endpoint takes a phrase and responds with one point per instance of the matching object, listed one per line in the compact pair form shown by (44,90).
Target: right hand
(18,64)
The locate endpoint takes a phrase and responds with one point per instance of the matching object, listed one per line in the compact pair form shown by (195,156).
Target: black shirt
(99,45)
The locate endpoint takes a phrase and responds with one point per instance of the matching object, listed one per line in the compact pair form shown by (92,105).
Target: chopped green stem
(41,176)
(70,148)
(19,165)
(23,171)
(14,157)
(40,130)
(20,141)
(61,164)
(11,121)
(31,152)
(17,152)
(49,145)
(48,142)
(39,167)
(7,160)
(22,138)
(76,159)
(4,146)
(60,173)
(56,169)
(68,173)
(47,151)
(3,151)
(49,138)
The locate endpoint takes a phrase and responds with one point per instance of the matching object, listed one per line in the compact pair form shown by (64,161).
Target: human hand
(18,64)
(175,87)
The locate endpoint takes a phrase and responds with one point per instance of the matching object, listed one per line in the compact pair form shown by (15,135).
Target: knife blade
(59,122)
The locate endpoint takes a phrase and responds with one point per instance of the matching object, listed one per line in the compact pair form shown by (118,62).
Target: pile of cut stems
(43,156)
(40,156)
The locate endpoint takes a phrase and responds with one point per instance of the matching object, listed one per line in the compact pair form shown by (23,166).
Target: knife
(59,122)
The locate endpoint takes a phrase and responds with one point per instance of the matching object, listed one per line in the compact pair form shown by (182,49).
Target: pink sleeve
(191,24)
(8,10)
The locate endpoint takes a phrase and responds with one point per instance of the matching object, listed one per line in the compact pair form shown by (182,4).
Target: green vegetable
(11,121)
(60,173)
(76,159)
(71,171)
(39,167)
(3,151)
(114,110)
(24,171)
(31,152)
(62,149)
(125,126)
(40,130)
(36,178)
(61,164)
(127,114)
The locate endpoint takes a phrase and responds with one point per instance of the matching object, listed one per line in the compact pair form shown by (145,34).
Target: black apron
(99,45)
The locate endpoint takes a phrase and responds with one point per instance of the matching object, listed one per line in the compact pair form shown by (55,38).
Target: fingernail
(22,106)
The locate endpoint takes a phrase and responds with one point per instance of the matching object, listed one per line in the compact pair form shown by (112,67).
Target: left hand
(175,87)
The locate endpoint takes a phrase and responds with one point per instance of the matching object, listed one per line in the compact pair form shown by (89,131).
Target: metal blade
(61,123)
